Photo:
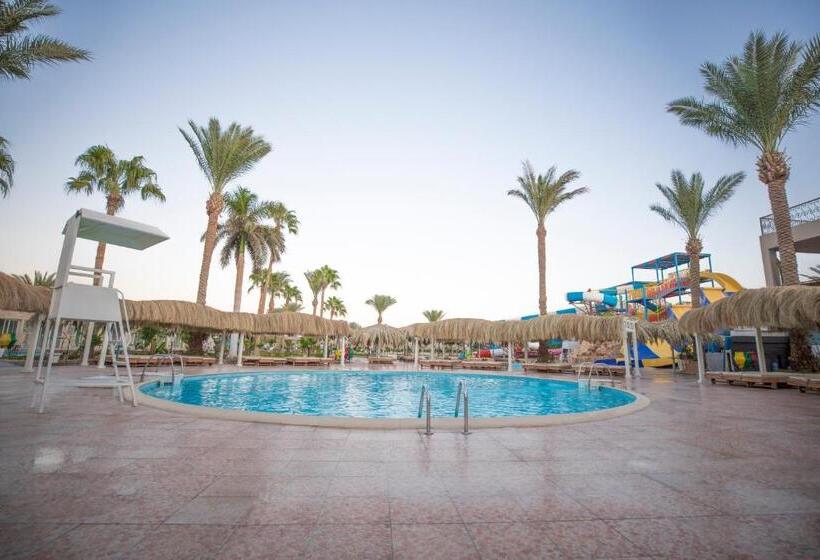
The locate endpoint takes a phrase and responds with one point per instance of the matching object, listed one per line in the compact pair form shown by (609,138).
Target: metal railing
(158,360)
(461,395)
(424,402)
(802,213)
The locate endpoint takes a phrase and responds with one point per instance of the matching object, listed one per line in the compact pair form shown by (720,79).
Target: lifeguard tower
(75,299)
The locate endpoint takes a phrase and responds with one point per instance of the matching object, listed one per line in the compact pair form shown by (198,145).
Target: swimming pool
(387,394)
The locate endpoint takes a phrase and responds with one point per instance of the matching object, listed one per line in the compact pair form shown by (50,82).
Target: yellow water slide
(728,285)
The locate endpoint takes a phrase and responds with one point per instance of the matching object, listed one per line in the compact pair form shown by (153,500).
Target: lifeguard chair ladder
(100,302)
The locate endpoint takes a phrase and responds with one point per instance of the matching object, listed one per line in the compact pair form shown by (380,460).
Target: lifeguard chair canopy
(114,230)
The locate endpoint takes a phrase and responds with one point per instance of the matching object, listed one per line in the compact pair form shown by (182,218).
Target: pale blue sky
(397,128)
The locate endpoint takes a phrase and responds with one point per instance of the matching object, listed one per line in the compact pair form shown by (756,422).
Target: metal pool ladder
(158,360)
(424,401)
(461,395)
(598,370)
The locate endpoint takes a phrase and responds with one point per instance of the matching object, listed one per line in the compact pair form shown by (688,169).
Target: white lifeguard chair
(102,303)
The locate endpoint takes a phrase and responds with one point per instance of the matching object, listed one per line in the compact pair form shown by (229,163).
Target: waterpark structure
(659,289)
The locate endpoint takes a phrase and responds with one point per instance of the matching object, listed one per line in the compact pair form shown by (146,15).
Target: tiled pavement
(703,472)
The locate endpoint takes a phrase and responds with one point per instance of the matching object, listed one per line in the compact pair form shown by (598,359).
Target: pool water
(393,394)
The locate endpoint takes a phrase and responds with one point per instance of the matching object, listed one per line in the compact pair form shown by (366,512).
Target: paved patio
(703,472)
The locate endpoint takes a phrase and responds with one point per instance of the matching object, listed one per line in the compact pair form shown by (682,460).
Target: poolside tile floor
(703,472)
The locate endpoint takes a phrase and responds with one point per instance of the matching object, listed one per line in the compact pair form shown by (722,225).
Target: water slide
(594,296)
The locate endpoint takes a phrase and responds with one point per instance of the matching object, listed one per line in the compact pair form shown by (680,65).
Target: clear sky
(397,129)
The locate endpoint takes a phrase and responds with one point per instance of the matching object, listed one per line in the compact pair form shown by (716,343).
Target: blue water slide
(608,297)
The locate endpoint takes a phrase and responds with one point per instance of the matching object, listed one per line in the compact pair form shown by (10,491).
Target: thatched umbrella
(16,295)
(291,322)
(456,330)
(175,313)
(784,307)
(379,335)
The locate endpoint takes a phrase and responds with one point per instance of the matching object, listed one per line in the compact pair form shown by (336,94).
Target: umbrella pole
(761,353)
(240,349)
(101,362)
(510,350)
(627,366)
(32,344)
(699,355)
(221,349)
(416,353)
(342,352)
(87,346)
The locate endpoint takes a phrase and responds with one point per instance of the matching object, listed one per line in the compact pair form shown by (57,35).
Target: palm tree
(6,168)
(242,233)
(314,280)
(101,171)
(757,98)
(283,219)
(433,315)
(336,307)
(278,282)
(330,280)
(690,208)
(543,194)
(223,156)
(380,303)
(292,306)
(292,295)
(40,279)
(259,279)
(20,52)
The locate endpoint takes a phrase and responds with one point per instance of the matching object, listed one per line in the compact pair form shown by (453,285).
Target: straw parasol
(16,295)
(785,307)
(175,313)
(292,322)
(454,330)
(380,335)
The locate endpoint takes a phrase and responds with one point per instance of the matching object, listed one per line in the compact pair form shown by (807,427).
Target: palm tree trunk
(272,306)
(263,296)
(240,276)
(213,208)
(380,318)
(315,302)
(541,234)
(693,248)
(111,204)
(264,290)
(773,171)
(322,303)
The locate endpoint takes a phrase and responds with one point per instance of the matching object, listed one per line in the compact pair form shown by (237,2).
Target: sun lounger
(381,360)
(805,382)
(198,360)
(773,380)
(438,364)
(309,361)
(263,361)
(547,367)
(483,365)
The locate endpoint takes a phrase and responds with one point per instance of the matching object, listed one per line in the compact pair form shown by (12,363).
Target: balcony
(802,213)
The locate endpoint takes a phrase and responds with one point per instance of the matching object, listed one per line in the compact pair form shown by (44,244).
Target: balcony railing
(802,213)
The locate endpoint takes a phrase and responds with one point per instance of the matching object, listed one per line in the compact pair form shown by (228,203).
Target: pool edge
(641,402)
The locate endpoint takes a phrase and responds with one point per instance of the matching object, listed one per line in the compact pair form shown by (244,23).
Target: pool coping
(640,402)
